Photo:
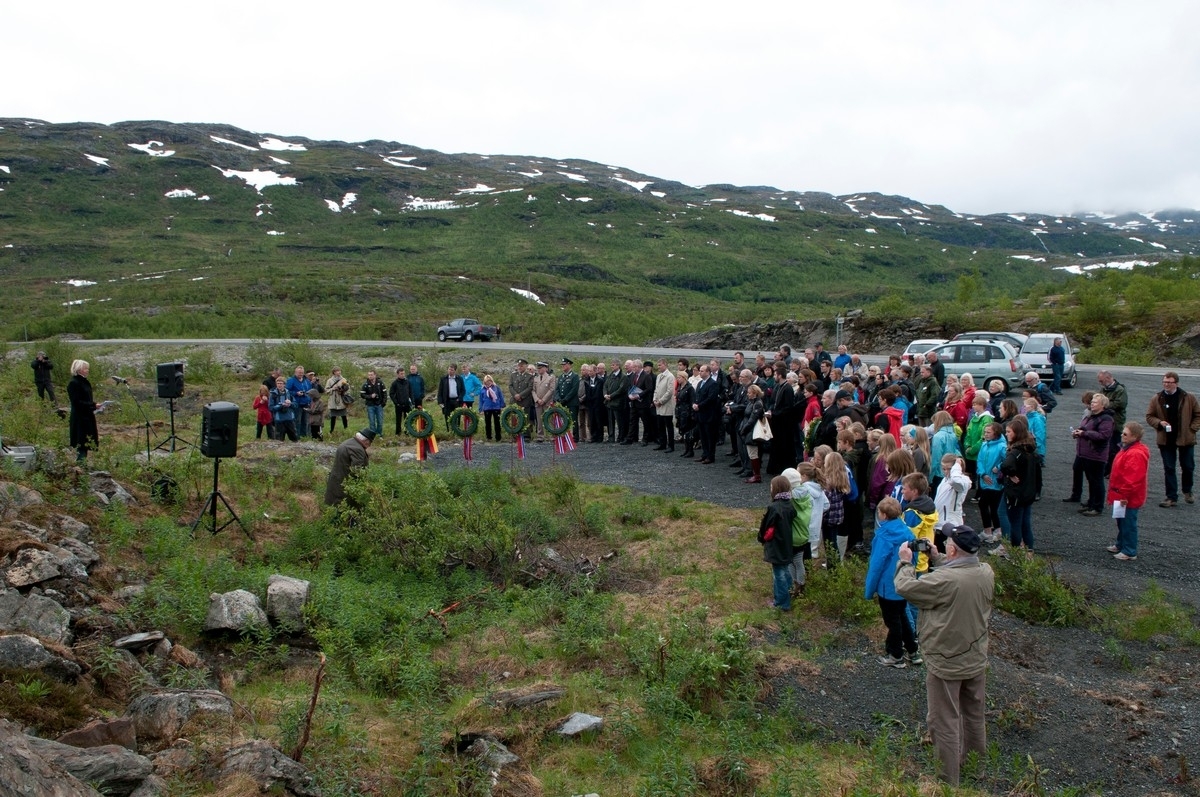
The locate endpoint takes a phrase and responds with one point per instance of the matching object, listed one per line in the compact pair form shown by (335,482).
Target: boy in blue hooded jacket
(885,556)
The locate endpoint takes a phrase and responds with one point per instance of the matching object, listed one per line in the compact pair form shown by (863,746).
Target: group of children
(819,501)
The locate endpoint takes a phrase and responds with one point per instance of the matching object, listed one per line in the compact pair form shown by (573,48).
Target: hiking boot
(1166,504)
(1189,498)
(1090,513)
(892,661)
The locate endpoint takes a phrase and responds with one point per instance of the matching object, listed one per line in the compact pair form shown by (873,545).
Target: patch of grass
(1032,590)
(1156,615)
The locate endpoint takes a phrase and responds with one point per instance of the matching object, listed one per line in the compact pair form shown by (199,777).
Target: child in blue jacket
(885,556)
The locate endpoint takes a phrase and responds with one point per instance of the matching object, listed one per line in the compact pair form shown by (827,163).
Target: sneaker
(1124,557)
(915,658)
(1113,549)
(1000,551)
(1166,504)
(1090,513)
(892,661)
(1189,498)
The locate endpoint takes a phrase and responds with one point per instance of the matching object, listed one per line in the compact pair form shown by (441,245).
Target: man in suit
(451,392)
(566,394)
(594,398)
(707,408)
(645,403)
(616,402)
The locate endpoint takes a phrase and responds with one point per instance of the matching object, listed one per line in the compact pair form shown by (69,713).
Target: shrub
(1032,590)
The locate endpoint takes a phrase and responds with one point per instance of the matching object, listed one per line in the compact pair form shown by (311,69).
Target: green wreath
(410,424)
(513,420)
(463,422)
(556,412)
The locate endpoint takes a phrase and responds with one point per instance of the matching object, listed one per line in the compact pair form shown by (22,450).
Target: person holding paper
(1127,490)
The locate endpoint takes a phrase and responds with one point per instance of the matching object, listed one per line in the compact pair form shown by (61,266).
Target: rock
(107,490)
(14,498)
(32,566)
(492,752)
(407,456)
(97,733)
(138,641)
(184,657)
(162,649)
(130,592)
(268,768)
(27,774)
(234,611)
(111,769)
(527,696)
(286,598)
(68,563)
(39,615)
(83,552)
(579,723)
(153,786)
(179,757)
(70,527)
(160,716)
(21,652)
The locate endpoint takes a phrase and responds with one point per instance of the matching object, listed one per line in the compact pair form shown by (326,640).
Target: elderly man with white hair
(1043,394)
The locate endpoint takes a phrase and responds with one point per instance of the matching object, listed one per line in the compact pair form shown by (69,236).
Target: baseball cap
(965,537)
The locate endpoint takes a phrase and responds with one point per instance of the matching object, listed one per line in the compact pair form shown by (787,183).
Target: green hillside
(179,246)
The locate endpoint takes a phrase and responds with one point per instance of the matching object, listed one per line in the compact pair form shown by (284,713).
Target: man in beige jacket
(544,385)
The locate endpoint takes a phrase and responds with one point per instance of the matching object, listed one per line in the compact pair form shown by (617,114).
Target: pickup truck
(467,329)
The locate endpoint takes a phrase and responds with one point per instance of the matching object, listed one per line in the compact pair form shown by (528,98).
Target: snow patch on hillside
(637,184)
(530,295)
(96,159)
(576,177)
(277,145)
(220,140)
(258,178)
(760,216)
(149,149)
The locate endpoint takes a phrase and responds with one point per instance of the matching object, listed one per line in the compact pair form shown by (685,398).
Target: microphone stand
(123,381)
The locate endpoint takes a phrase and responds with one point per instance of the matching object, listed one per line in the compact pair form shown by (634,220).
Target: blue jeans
(1187,464)
(1127,532)
(1020,522)
(302,421)
(1056,385)
(783,587)
(375,419)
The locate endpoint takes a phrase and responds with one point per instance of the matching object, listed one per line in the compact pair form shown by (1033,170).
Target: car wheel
(442,337)
(1074,379)
(470,336)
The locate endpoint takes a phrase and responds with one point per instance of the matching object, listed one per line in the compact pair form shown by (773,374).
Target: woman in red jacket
(1127,490)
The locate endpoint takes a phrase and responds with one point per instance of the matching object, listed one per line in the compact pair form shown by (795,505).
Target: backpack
(803,506)
(851,496)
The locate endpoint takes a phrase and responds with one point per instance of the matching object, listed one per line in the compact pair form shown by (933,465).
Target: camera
(921,546)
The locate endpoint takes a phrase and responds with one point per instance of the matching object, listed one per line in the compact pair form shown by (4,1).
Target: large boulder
(269,768)
(14,498)
(110,768)
(160,716)
(35,614)
(106,490)
(32,566)
(25,773)
(286,597)
(234,611)
(21,652)
(98,733)
(71,527)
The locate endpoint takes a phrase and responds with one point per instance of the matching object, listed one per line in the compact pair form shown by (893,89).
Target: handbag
(762,431)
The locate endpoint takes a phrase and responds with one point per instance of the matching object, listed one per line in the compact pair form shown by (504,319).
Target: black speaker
(170,380)
(218,431)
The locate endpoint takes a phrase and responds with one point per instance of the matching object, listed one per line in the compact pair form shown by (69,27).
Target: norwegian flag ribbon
(467,449)
(520,441)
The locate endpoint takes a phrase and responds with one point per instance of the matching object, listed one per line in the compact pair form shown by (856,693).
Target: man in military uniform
(543,396)
(520,392)
(566,394)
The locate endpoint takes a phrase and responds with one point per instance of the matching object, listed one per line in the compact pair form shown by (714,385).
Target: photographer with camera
(955,598)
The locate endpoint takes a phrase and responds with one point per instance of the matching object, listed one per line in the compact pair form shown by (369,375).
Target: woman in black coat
(783,418)
(84,435)
(685,419)
(1020,469)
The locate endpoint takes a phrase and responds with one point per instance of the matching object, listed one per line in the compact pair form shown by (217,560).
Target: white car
(920,346)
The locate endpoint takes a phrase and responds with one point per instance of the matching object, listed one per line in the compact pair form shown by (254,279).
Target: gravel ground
(1109,718)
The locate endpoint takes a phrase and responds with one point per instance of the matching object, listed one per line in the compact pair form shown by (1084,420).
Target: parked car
(1014,339)
(1035,354)
(985,360)
(467,329)
(920,346)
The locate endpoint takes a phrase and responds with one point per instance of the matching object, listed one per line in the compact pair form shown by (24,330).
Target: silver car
(986,361)
(1035,354)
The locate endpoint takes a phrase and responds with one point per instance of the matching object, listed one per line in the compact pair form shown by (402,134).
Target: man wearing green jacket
(955,599)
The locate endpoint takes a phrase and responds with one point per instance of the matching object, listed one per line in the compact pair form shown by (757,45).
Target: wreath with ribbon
(410,424)
(513,420)
(560,428)
(463,422)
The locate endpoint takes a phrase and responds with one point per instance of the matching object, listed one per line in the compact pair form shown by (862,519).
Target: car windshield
(1038,345)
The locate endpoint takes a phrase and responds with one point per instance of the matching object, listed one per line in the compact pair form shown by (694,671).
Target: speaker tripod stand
(210,508)
(172,438)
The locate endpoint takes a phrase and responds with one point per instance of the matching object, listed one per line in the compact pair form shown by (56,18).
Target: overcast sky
(1047,106)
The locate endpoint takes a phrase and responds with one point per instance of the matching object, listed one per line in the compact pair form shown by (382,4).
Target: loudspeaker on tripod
(170,380)
(218,431)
